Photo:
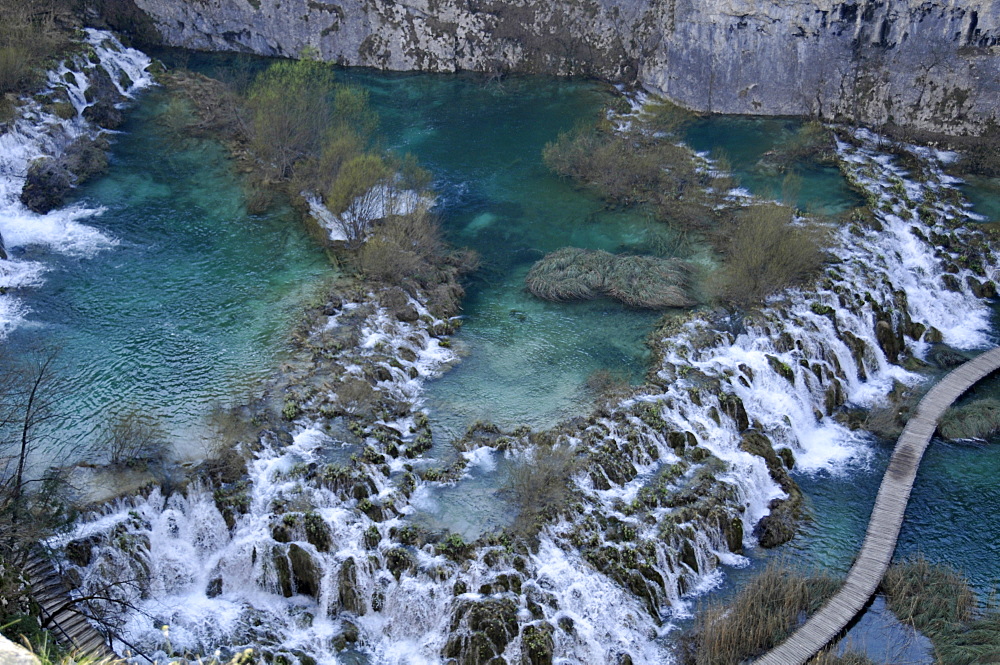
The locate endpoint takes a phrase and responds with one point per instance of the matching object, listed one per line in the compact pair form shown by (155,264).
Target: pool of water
(191,305)
(525,360)
(821,189)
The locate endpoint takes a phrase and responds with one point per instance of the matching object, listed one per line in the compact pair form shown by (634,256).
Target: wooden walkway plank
(58,613)
(887,517)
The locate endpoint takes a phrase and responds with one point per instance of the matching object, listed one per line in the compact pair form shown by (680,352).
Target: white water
(37,133)
(179,548)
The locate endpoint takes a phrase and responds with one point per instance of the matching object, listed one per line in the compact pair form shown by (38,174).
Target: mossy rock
(350,599)
(399,560)
(732,406)
(781,368)
(481,630)
(537,645)
(890,341)
(779,526)
(45,186)
(306,574)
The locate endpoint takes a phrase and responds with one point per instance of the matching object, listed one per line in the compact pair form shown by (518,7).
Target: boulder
(306,575)
(46,185)
(481,630)
(350,599)
(537,645)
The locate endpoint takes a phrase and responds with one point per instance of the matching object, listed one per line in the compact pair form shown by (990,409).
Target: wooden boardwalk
(59,614)
(886,520)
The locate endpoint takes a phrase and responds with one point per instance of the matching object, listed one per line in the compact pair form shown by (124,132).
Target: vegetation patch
(762,615)
(976,420)
(639,281)
(938,602)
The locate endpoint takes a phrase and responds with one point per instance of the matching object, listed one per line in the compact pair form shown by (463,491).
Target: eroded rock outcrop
(929,65)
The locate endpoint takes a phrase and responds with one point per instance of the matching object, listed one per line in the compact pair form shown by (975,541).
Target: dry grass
(29,39)
(929,597)
(938,602)
(977,420)
(761,615)
(639,281)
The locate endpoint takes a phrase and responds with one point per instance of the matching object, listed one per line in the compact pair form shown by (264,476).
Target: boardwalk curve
(886,520)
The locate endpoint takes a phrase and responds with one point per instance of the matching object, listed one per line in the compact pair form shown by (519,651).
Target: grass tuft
(761,615)
(977,420)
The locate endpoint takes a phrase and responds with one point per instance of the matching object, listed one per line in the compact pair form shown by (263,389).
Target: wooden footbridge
(58,612)
(886,520)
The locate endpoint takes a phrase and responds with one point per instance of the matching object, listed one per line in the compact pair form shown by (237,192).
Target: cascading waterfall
(39,132)
(314,561)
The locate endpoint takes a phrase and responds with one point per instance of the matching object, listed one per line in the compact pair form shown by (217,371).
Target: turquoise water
(190,308)
(745,141)
(525,360)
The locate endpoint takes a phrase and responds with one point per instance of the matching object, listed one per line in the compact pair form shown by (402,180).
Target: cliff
(931,65)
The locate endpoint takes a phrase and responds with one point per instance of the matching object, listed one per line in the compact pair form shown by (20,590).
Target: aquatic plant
(938,602)
(979,419)
(765,611)
(639,281)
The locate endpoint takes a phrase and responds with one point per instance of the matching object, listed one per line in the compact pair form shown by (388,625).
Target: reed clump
(937,601)
(648,282)
(976,420)
(760,617)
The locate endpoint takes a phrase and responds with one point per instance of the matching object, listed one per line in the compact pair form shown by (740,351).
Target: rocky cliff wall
(931,65)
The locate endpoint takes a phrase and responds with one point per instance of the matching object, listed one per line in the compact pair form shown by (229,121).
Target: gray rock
(930,65)
(45,186)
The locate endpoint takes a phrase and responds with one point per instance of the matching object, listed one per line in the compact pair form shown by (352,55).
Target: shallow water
(190,306)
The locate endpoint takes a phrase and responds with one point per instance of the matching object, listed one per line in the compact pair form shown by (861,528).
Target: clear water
(525,360)
(191,302)
(189,308)
(744,141)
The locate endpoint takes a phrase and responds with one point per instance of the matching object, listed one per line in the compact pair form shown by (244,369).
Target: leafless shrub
(765,251)
(133,438)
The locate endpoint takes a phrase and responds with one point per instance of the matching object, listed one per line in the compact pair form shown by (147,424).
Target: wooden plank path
(58,612)
(886,520)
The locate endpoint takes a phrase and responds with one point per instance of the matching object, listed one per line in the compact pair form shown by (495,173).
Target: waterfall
(313,559)
(38,132)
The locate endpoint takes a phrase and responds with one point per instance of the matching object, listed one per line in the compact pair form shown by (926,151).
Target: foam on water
(37,133)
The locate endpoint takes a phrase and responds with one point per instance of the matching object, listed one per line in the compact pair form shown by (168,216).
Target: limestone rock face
(12,654)
(931,65)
